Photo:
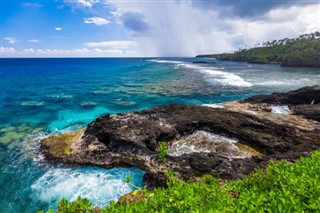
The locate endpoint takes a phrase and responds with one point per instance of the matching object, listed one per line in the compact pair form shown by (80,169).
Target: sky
(148,28)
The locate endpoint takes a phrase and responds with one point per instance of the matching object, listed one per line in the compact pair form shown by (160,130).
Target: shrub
(163,150)
(281,187)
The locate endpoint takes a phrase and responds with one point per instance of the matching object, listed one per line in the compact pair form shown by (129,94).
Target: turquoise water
(50,96)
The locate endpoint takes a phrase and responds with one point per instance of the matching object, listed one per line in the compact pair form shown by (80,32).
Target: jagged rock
(234,139)
(305,95)
(304,101)
(308,111)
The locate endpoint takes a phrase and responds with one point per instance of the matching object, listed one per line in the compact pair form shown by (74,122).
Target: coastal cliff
(227,142)
(303,51)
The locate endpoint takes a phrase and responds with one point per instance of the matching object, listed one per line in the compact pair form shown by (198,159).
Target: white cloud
(116,13)
(177,28)
(7,50)
(34,41)
(76,52)
(88,3)
(112,44)
(96,20)
(29,51)
(10,40)
(82,3)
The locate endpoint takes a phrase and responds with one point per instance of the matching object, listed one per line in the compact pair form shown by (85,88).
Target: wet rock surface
(236,138)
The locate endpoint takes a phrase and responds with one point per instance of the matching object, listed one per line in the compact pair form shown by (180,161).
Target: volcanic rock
(227,142)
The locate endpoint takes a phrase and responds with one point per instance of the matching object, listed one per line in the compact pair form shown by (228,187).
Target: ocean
(52,96)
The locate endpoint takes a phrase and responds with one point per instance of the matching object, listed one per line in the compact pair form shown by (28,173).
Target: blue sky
(103,28)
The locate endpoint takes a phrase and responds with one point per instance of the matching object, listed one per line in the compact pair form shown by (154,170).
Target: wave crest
(213,75)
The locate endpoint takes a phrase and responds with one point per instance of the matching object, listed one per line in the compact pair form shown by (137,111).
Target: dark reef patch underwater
(40,97)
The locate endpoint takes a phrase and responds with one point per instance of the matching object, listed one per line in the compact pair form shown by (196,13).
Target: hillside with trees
(303,51)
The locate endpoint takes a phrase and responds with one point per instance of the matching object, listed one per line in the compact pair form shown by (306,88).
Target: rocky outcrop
(305,95)
(308,111)
(227,142)
(304,101)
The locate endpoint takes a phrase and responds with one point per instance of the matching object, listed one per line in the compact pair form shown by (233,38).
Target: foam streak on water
(212,75)
(226,78)
(205,142)
(166,61)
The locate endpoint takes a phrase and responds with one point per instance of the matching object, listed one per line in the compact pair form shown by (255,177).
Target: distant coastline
(303,51)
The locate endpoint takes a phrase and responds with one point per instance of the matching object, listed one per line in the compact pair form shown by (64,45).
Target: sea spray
(97,184)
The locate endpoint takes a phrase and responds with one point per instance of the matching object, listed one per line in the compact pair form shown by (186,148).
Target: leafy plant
(81,205)
(163,150)
(128,180)
(281,187)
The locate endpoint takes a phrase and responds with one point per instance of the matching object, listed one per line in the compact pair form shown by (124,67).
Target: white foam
(215,75)
(275,83)
(282,110)
(213,105)
(59,96)
(97,92)
(200,67)
(212,74)
(165,61)
(66,130)
(33,103)
(31,146)
(205,142)
(186,149)
(226,78)
(99,185)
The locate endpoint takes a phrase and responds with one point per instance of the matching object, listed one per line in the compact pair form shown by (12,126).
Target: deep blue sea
(51,96)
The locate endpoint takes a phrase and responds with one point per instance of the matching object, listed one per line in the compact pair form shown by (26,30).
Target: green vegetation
(78,206)
(281,187)
(301,52)
(128,181)
(163,150)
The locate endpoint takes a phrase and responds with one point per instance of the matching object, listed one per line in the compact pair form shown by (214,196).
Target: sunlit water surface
(51,96)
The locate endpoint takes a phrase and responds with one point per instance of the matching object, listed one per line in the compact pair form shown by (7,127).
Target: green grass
(281,187)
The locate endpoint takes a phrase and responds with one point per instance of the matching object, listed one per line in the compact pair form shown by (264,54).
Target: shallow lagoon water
(45,96)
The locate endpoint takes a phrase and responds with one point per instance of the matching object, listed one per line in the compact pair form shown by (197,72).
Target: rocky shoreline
(227,141)
(296,52)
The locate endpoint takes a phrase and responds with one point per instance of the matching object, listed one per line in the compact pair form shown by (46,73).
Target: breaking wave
(99,185)
(213,75)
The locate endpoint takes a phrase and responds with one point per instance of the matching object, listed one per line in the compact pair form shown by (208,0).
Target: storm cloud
(249,8)
(134,22)
(188,28)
